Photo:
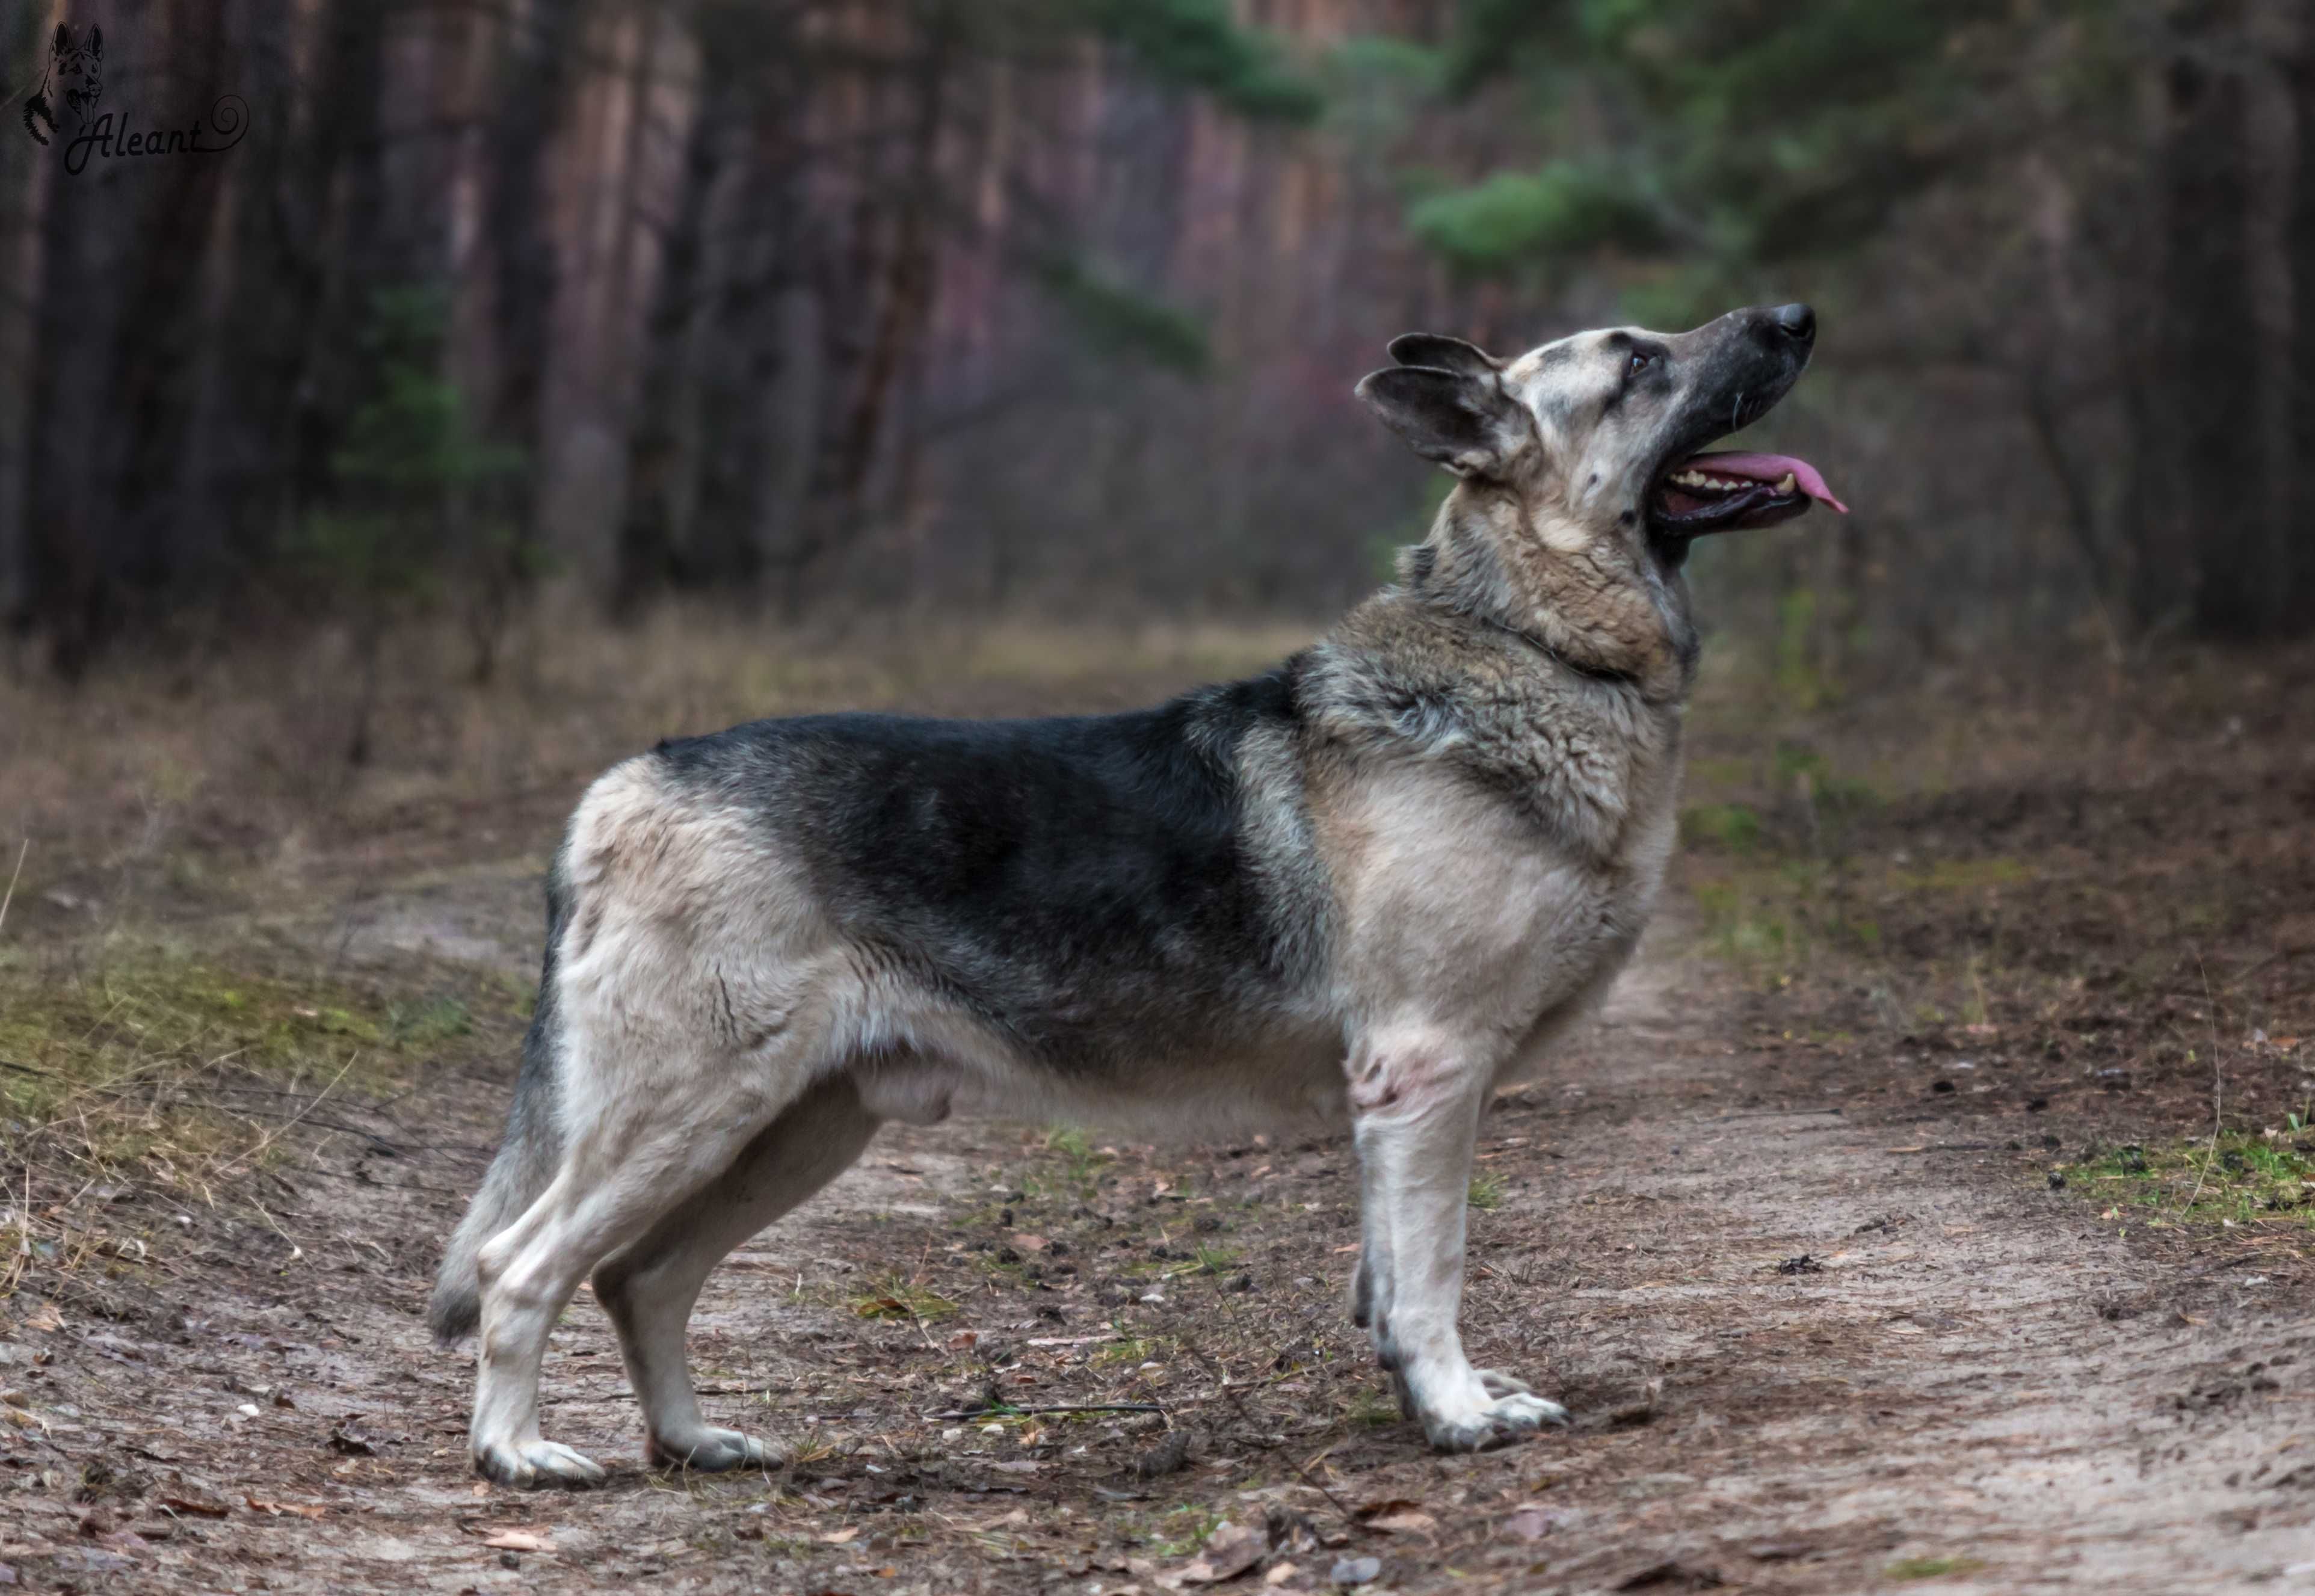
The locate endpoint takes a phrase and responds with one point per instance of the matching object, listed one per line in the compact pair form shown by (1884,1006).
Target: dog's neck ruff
(1596,608)
(1595,673)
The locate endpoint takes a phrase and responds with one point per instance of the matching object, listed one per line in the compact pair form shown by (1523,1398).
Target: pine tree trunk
(660,456)
(2298,596)
(2208,500)
(858,379)
(534,84)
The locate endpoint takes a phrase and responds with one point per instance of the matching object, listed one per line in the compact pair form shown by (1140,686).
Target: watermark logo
(75,73)
(74,79)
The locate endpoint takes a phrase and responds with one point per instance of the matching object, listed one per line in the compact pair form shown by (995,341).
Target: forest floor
(1877,1237)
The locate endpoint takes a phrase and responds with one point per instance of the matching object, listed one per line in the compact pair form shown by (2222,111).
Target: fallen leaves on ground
(292,1509)
(1230,1551)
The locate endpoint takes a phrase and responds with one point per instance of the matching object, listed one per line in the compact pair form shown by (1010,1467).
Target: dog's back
(1099,891)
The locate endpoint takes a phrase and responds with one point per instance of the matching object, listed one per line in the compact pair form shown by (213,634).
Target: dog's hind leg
(649,1289)
(642,1156)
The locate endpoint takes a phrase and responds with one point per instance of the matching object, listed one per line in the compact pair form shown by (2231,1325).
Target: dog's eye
(1641,360)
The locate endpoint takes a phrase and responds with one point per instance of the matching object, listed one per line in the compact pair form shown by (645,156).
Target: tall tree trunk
(2208,500)
(332,206)
(661,447)
(535,81)
(903,307)
(742,460)
(22,192)
(2297,599)
(621,329)
(111,383)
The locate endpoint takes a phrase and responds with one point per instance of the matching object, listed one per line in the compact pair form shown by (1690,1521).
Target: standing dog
(1365,889)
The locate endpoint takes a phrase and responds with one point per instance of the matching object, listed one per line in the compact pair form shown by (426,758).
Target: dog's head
(1585,453)
(77,68)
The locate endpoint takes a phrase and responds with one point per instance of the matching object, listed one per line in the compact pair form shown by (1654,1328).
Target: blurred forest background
(863,307)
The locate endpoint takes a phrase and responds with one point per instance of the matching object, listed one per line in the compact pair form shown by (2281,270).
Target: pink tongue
(1766,468)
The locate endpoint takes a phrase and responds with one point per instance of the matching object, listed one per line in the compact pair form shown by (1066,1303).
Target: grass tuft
(894,1298)
(1921,1568)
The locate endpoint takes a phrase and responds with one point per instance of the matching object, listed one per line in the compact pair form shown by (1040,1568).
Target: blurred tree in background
(411,515)
(2102,204)
(849,305)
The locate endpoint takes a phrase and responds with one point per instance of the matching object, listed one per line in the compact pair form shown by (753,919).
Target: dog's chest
(1454,902)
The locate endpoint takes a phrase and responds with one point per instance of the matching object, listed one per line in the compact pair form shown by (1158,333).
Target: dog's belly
(1289,1079)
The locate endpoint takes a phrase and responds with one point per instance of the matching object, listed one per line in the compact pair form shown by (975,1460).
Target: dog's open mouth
(1722,493)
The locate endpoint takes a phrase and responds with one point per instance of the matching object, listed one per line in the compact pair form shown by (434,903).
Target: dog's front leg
(1417,1104)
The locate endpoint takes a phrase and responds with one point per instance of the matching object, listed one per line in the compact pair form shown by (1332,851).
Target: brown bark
(2299,76)
(2203,493)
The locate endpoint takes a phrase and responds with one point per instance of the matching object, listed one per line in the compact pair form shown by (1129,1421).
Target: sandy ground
(1824,1330)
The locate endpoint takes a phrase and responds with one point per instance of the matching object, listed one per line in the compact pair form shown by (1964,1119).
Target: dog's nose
(1796,322)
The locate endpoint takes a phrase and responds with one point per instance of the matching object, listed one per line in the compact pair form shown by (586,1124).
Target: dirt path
(1826,1328)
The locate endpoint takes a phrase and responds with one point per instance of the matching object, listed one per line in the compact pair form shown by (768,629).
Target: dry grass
(1983,799)
(132,1066)
(101,1064)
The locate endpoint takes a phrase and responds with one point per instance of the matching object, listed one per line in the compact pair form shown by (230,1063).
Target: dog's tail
(526,1156)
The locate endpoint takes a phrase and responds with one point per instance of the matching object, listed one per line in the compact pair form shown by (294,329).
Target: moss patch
(1962,875)
(1922,1568)
(2250,1177)
(1735,828)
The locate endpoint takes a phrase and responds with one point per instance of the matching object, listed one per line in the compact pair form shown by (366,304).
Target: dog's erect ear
(96,43)
(1460,417)
(62,44)
(1448,354)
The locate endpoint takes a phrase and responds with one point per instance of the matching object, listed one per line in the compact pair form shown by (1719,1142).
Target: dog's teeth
(1785,484)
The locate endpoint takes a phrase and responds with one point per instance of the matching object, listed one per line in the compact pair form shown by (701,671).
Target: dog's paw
(713,1452)
(536,1465)
(1509,1418)
(1500,1384)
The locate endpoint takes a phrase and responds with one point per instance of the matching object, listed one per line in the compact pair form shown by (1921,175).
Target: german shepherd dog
(1364,889)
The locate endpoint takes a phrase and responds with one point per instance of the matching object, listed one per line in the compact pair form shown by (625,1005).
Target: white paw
(1507,1419)
(534,1464)
(711,1452)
